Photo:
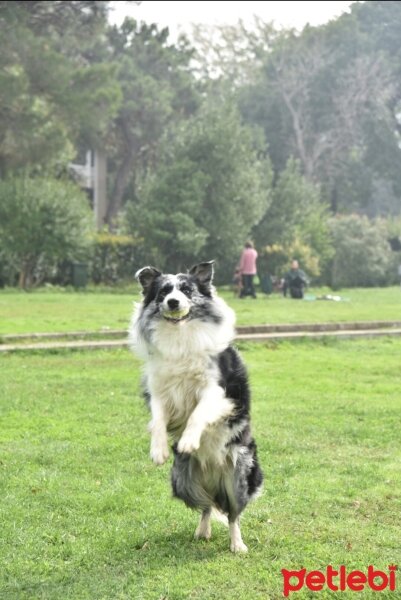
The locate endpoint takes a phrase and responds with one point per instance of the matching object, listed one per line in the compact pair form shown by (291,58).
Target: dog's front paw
(159,454)
(188,443)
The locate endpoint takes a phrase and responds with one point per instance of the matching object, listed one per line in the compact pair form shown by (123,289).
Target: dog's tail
(219,516)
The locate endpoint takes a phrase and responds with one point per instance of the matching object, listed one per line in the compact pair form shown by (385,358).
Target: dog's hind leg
(236,543)
(204,529)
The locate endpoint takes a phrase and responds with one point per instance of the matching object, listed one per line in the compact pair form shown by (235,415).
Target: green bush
(211,185)
(42,223)
(363,255)
(294,226)
(115,259)
(276,259)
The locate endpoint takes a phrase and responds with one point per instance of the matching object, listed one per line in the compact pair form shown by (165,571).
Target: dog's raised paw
(188,443)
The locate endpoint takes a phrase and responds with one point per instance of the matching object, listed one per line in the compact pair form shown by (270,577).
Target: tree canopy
(214,187)
(230,133)
(53,95)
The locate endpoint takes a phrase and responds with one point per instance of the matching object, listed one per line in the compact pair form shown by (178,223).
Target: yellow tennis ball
(176,314)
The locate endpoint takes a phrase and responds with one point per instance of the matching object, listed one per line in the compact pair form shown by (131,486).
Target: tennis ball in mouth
(176,314)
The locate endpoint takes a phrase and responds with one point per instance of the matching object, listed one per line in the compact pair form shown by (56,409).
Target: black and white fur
(198,393)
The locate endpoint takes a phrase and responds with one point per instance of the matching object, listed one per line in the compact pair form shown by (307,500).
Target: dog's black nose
(173,303)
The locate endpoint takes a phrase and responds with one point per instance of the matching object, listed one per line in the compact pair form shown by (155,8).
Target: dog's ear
(146,276)
(203,272)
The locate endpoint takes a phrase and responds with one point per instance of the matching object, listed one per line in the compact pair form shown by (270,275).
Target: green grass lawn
(85,515)
(57,311)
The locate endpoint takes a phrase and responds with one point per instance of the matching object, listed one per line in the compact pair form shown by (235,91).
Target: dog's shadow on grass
(180,546)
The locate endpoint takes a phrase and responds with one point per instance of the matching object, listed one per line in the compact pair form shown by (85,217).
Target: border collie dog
(197,389)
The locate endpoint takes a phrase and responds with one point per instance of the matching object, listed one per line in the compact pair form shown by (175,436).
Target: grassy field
(85,515)
(57,311)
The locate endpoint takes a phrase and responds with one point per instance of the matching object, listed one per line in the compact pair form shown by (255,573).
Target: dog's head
(180,297)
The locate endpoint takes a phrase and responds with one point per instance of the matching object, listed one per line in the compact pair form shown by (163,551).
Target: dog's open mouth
(175,316)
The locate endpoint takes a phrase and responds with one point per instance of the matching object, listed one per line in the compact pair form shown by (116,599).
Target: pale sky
(178,16)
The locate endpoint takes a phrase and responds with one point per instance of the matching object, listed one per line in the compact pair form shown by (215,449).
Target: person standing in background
(248,270)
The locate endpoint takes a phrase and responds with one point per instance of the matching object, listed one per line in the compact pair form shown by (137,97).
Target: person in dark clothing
(295,281)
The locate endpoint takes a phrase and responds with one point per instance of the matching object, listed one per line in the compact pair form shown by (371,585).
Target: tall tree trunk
(120,185)
(123,173)
(21,279)
(334,200)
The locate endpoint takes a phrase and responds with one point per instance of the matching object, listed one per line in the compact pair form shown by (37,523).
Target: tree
(362,252)
(158,90)
(79,18)
(232,53)
(331,97)
(211,188)
(296,217)
(42,221)
(52,95)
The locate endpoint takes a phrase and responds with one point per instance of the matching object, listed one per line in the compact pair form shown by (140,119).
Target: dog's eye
(163,292)
(186,289)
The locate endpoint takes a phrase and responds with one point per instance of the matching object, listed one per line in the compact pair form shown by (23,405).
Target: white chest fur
(183,376)
(179,385)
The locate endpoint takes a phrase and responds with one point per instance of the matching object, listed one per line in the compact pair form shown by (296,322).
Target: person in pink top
(248,270)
